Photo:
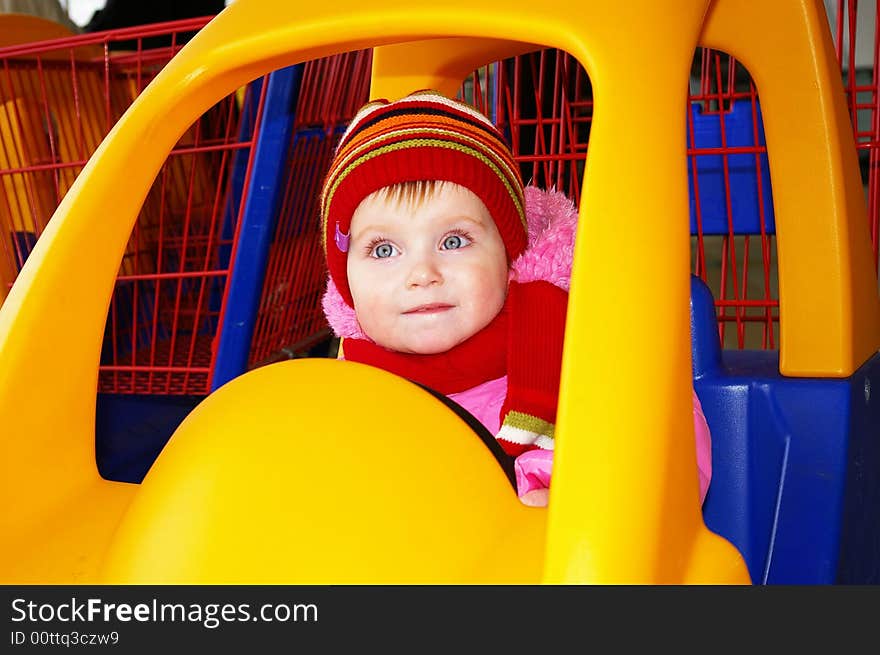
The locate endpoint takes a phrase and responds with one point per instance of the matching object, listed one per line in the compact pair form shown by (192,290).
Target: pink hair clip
(341,239)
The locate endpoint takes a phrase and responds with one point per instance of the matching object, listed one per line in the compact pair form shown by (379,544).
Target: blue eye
(383,251)
(455,241)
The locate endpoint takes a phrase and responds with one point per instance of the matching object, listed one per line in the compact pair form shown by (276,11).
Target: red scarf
(523,342)
(478,359)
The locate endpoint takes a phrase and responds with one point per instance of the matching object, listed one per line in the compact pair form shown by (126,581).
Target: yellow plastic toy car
(226,503)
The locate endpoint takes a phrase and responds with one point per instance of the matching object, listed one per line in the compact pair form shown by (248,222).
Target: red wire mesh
(58,99)
(544,104)
(61,100)
(290,318)
(860,80)
(166,310)
(741,274)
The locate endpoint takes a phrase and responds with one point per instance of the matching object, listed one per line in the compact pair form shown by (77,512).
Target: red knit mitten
(536,328)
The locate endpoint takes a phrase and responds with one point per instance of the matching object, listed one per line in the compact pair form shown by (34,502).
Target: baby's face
(424,279)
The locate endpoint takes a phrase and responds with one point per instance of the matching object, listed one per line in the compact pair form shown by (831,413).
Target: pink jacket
(533,467)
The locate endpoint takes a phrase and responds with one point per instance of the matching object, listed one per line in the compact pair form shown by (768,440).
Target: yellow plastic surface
(829,313)
(326,472)
(624,504)
(438,64)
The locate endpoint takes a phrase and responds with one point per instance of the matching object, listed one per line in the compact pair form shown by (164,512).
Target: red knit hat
(423,136)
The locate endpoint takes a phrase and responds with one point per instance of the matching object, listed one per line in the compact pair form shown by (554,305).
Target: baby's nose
(424,272)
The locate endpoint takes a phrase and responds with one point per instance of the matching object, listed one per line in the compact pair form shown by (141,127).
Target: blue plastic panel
(266,186)
(795,461)
(744,171)
(131,430)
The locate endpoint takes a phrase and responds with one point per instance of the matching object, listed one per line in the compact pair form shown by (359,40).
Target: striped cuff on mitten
(521,432)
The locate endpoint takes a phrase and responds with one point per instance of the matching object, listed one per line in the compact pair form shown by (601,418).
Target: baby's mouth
(430,308)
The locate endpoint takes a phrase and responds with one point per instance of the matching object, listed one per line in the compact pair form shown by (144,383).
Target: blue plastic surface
(130,431)
(860,541)
(746,195)
(795,466)
(247,125)
(264,196)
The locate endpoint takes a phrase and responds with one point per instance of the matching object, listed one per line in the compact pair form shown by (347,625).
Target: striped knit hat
(423,136)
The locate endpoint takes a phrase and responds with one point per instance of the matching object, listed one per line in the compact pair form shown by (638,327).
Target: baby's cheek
(490,290)
(366,310)
(486,301)
(376,320)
